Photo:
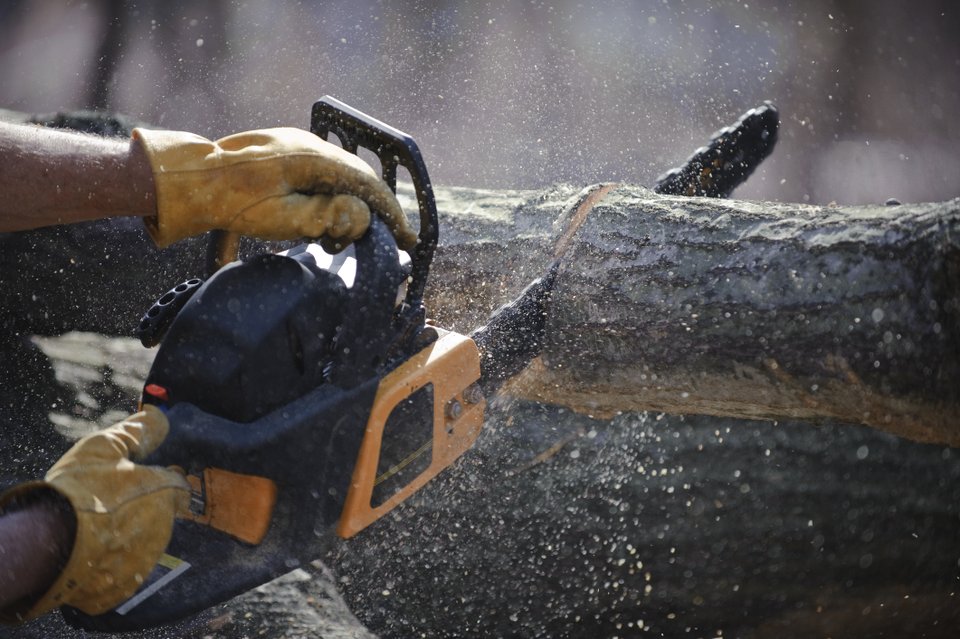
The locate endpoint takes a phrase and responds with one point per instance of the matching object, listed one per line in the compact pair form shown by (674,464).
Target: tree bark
(718,307)
(673,304)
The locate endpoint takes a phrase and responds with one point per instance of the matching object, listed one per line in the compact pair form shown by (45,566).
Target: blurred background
(529,93)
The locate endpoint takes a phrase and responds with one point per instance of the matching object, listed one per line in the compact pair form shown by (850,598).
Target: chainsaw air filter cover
(256,337)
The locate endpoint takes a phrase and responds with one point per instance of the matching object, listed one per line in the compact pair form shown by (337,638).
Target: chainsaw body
(304,400)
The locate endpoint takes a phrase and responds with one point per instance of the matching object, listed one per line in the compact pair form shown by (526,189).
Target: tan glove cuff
(104,569)
(176,159)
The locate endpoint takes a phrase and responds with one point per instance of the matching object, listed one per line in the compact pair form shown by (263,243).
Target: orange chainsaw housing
(451,365)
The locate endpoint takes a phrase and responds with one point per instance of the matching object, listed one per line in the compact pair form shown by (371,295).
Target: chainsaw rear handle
(393,148)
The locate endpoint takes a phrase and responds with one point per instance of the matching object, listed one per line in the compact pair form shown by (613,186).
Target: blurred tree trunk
(109,53)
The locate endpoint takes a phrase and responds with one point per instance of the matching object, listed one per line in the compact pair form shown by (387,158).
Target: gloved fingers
(377,197)
(341,217)
(159,479)
(167,489)
(134,438)
(95,486)
(326,168)
(287,216)
(144,431)
(116,551)
(385,203)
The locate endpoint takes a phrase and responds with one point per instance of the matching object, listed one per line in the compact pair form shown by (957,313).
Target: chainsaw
(308,395)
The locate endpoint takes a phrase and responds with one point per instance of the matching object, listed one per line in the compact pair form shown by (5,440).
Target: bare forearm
(52,177)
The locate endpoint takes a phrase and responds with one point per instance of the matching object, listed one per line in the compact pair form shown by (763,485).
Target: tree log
(556,524)
(718,307)
(674,304)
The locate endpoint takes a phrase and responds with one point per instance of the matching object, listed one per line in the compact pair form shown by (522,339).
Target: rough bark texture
(719,307)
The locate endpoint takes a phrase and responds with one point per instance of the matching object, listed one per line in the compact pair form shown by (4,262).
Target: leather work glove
(124,514)
(275,184)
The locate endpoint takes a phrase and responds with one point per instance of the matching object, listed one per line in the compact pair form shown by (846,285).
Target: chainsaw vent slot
(407,195)
(407,445)
(334,139)
(155,322)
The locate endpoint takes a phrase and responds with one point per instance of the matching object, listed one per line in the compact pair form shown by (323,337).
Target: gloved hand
(275,184)
(124,513)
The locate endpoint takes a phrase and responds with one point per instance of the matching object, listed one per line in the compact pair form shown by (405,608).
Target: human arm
(278,184)
(34,544)
(49,176)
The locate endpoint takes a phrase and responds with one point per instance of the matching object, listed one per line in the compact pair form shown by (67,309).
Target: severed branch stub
(731,156)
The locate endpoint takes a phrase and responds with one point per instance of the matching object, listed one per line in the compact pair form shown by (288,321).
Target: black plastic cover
(270,369)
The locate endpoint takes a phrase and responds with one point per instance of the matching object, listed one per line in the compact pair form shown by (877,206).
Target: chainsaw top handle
(393,148)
